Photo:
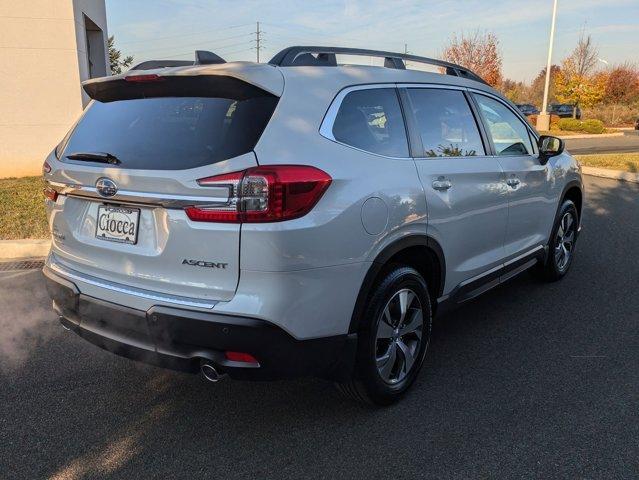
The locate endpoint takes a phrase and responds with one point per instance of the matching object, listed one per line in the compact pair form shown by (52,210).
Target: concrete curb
(16,249)
(592,135)
(614,174)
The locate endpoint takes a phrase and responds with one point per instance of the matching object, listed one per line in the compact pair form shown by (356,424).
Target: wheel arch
(421,252)
(573,191)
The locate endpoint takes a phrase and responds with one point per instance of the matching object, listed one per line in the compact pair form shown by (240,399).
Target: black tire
(553,269)
(368,385)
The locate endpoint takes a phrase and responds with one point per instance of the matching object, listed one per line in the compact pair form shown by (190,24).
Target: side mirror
(549,147)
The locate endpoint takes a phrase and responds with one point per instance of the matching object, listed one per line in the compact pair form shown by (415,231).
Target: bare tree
(585,56)
(478,52)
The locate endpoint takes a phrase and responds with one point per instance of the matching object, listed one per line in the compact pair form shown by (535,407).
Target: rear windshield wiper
(95,157)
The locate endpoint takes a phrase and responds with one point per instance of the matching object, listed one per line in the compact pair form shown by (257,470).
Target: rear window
(173,132)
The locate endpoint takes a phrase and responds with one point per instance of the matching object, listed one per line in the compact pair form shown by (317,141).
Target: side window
(510,135)
(445,123)
(372,120)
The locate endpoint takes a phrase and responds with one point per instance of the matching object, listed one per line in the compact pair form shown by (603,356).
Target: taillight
(46,168)
(264,194)
(50,193)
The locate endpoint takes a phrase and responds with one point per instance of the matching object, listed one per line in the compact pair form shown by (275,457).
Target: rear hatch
(129,168)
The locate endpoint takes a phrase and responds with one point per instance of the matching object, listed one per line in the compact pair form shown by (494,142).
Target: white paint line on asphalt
(588,356)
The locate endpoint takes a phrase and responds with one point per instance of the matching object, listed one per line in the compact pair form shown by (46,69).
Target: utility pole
(543,119)
(258,39)
(406,49)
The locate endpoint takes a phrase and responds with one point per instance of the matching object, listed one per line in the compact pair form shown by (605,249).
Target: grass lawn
(559,133)
(22,212)
(628,162)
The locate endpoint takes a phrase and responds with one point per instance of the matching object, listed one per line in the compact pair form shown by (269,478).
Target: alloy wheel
(565,241)
(399,336)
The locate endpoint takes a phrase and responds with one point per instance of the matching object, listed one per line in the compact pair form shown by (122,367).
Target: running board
(486,281)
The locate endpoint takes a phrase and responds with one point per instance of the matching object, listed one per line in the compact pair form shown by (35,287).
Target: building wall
(43,60)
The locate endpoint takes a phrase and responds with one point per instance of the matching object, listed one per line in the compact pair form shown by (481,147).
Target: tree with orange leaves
(622,84)
(478,52)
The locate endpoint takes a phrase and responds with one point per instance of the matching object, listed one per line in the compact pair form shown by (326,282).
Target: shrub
(592,126)
(587,126)
(570,125)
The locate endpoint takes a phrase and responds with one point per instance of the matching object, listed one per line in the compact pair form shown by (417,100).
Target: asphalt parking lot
(529,381)
(586,146)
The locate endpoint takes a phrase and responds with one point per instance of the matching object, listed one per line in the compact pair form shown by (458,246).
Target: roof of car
(272,78)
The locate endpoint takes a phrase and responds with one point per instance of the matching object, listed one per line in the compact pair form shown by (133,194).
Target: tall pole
(543,120)
(257,47)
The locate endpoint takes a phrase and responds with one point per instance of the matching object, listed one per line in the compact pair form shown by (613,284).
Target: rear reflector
(51,194)
(272,193)
(240,357)
(46,168)
(143,78)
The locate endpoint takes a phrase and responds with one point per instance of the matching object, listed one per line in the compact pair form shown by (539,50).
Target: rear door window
(173,132)
(371,120)
(445,123)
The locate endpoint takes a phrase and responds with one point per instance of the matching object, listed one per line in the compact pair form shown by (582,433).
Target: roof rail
(202,57)
(325,56)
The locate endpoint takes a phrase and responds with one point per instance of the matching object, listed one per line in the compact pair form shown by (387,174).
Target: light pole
(543,119)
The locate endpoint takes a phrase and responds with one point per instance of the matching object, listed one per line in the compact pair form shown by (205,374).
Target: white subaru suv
(302,217)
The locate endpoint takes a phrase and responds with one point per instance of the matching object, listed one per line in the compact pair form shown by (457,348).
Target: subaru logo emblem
(106,187)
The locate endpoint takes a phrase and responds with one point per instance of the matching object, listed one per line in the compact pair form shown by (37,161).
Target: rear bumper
(180,339)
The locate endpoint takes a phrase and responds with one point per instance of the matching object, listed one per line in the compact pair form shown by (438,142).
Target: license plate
(118,224)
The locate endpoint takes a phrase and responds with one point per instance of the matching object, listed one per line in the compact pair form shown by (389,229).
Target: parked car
(564,110)
(527,109)
(296,218)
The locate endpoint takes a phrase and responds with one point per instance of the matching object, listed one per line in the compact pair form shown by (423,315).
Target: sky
(161,29)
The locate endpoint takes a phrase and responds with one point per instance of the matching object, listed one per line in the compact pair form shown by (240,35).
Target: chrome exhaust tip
(210,373)
(61,320)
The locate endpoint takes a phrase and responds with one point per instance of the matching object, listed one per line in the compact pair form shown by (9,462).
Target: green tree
(516,92)
(115,58)
(537,86)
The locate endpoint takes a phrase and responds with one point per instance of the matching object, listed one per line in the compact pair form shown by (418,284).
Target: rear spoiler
(202,57)
(239,80)
(134,87)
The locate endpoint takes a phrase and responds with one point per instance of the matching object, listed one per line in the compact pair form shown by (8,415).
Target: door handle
(442,184)
(513,182)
